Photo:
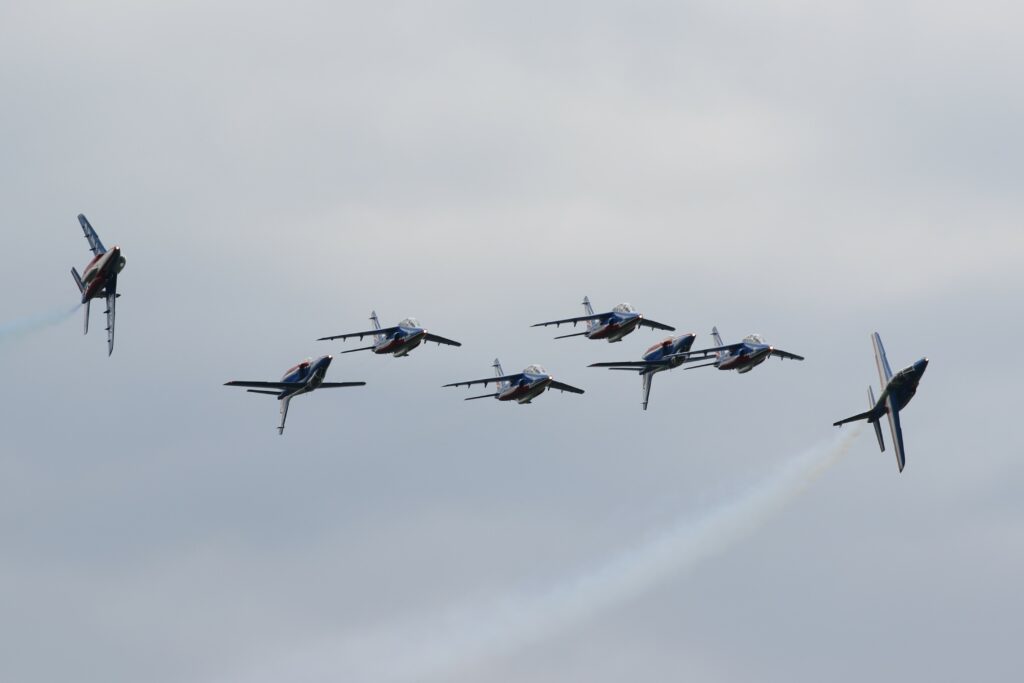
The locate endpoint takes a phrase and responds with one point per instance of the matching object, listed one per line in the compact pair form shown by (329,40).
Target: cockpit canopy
(754,339)
(535,370)
(624,308)
(409,322)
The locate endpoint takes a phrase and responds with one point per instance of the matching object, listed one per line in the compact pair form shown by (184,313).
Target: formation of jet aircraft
(306,377)
(897,390)
(398,341)
(521,387)
(613,325)
(99,280)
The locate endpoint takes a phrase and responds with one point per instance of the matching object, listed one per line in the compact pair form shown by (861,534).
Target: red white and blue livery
(613,325)
(303,378)
(99,278)
(742,357)
(398,341)
(897,390)
(521,387)
(665,355)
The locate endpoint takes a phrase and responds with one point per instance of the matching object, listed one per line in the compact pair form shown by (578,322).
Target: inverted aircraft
(522,387)
(99,279)
(742,356)
(897,390)
(399,340)
(665,355)
(300,379)
(613,325)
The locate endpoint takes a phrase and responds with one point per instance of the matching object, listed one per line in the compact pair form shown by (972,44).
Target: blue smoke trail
(22,327)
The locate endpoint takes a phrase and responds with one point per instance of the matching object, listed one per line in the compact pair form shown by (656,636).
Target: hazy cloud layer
(811,172)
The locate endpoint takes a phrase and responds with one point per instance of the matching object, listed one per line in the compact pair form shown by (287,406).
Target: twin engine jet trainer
(613,325)
(303,378)
(521,387)
(100,278)
(665,355)
(398,340)
(742,357)
(897,390)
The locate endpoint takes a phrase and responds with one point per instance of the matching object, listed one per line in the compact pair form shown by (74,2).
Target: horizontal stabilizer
(78,280)
(361,348)
(876,423)
(704,365)
(869,415)
(566,336)
(262,391)
(473,398)
(338,385)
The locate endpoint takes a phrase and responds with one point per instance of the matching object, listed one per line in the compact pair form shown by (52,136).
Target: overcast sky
(273,171)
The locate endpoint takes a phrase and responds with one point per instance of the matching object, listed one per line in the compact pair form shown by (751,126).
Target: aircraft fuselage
(745,359)
(617,327)
(99,271)
(902,387)
(526,389)
(399,344)
(311,373)
(668,348)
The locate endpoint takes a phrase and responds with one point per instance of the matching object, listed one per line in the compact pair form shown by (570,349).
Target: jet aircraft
(521,387)
(99,279)
(665,355)
(303,378)
(742,357)
(897,390)
(399,340)
(613,325)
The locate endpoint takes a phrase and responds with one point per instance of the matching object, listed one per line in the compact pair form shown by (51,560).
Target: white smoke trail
(22,327)
(456,641)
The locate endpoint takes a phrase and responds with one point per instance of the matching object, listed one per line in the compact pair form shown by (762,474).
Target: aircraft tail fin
(587,307)
(498,372)
(284,413)
(877,424)
(376,325)
(717,337)
(86,329)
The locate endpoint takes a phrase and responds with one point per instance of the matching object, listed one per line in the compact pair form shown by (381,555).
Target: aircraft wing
(562,386)
(897,432)
(95,245)
(655,325)
(631,364)
(779,353)
(440,340)
(503,378)
(337,385)
(577,319)
(111,312)
(365,333)
(701,354)
(265,385)
(884,371)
